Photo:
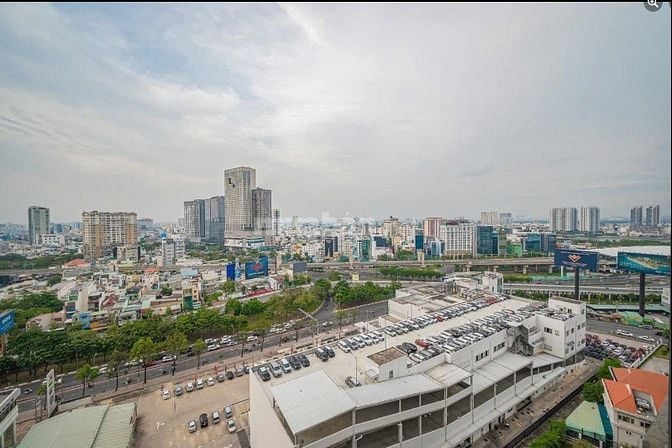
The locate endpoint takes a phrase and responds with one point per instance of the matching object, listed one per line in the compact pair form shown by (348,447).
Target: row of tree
(347,295)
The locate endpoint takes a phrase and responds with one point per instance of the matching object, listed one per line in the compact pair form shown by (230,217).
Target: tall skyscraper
(194,219)
(103,231)
(563,219)
(653,215)
(276,222)
(490,218)
(262,211)
(215,219)
(238,185)
(636,216)
(38,223)
(391,227)
(590,219)
(430,227)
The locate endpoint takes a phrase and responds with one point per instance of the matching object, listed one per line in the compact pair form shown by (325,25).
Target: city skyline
(374,114)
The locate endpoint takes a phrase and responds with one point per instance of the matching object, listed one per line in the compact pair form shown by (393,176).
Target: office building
(364,249)
(215,219)
(262,212)
(636,216)
(276,222)
(590,220)
(548,242)
(490,218)
(330,246)
(505,219)
(434,248)
(532,242)
(52,239)
(238,185)
(194,219)
(458,238)
(104,231)
(38,223)
(484,241)
(430,227)
(653,215)
(448,400)
(495,243)
(419,240)
(563,219)
(391,227)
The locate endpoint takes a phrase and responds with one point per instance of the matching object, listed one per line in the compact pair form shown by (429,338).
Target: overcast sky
(375,110)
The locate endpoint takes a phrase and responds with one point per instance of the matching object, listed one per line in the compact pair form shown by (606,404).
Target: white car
(646,338)
(344,346)
(251,338)
(231,425)
(199,384)
(210,381)
(212,347)
(166,394)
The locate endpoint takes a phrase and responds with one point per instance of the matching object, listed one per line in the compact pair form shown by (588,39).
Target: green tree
(228,287)
(333,276)
(54,279)
(252,307)
(144,349)
(86,374)
(603,372)
(166,291)
(321,289)
(175,344)
(233,306)
(115,365)
(199,348)
(340,316)
(592,392)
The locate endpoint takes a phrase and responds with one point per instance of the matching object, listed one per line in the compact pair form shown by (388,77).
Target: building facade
(636,216)
(490,218)
(194,219)
(391,227)
(430,227)
(215,219)
(505,219)
(563,219)
(653,215)
(458,238)
(276,222)
(590,219)
(38,223)
(484,240)
(238,185)
(262,211)
(103,231)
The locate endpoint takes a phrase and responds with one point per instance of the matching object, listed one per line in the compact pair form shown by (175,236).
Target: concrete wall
(265,426)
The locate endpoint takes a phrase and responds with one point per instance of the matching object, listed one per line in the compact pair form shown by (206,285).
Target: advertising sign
(257,268)
(6,321)
(299,267)
(576,259)
(85,320)
(51,392)
(231,271)
(644,263)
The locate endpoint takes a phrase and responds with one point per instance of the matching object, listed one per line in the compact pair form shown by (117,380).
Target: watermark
(653,5)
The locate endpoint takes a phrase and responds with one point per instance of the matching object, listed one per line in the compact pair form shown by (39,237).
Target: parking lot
(625,349)
(163,422)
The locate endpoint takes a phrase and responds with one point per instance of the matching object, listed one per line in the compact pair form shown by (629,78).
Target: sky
(362,109)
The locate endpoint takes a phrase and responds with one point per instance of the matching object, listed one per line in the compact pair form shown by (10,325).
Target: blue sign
(576,259)
(644,263)
(6,321)
(85,320)
(256,269)
(231,271)
(299,267)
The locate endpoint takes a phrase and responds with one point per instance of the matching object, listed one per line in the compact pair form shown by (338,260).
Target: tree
(86,374)
(144,349)
(333,276)
(252,307)
(233,306)
(199,348)
(593,392)
(321,289)
(166,291)
(116,363)
(340,316)
(175,344)
(229,287)
(603,372)
(54,279)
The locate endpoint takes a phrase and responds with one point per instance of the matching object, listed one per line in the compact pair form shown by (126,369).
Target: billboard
(299,267)
(576,259)
(85,320)
(231,271)
(6,321)
(257,268)
(644,263)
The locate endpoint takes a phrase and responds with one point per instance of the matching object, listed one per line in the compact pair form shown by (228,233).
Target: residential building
(391,227)
(276,222)
(238,185)
(52,239)
(262,212)
(38,223)
(505,219)
(448,400)
(563,219)
(430,227)
(9,411)
(407,234)
(194,219)
(145,223)
(434,248)
(490,218)
(653,215)
(636,216)
(458,238)
(590,219)
(102,231)
(171,251)
(633,400)
(484,242)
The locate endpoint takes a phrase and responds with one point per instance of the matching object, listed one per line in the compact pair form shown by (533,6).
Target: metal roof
(92,427)
(586,419)
(394,389)
(310,400)
(513,361)
(448,374)
(544,359)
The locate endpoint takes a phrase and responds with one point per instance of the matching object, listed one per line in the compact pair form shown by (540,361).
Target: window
(572,329)
(391,374)
(548,330)
(557,333)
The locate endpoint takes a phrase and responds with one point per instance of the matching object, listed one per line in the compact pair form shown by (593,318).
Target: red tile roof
(627,381)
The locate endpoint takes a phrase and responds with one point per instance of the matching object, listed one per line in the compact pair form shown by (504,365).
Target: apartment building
(450,399)
(458,238)
(103,231)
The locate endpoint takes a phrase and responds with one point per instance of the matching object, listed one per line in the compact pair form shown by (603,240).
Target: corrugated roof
(309,400)
(394,389)
(586,419)
(92,427)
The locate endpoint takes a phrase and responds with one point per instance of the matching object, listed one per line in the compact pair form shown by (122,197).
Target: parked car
(215,417)
(210,381)
(221,377)
(322,354)
(228,411)
(294,361)
(199,383)
(166,394)
(276,370)
(178,390)
(239,371)
(192,425)
(231,425)
(285,365)
(330,351)
(229,374)
(344,346)
(190,386)
(352,381)
(264,373)
(203,420)
(303,359)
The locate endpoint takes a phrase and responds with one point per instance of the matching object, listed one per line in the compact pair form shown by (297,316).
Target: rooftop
(586,419)
(387,355)
(652,383)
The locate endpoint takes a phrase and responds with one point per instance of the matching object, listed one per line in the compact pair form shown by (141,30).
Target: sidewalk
(538,407)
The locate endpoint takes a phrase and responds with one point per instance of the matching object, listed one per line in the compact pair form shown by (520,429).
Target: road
(72,388)
(598,326)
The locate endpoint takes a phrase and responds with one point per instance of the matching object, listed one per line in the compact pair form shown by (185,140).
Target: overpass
(546,288)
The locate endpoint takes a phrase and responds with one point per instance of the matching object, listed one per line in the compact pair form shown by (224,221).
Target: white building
(449,400)
(52,239)
(490,218)
(9,411)
(458,238)
(590,219)
(407,234)
(172,250)
(38,223)
(563,219)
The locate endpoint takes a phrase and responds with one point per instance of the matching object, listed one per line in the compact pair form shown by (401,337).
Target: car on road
(192,425)
(166,394)
(168,358)
(231,426)
(351,381)
(210,381)
(203,420)
(27,390)
(228,411)
(251,338)
(212,347)
(646,338)
(178,390)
